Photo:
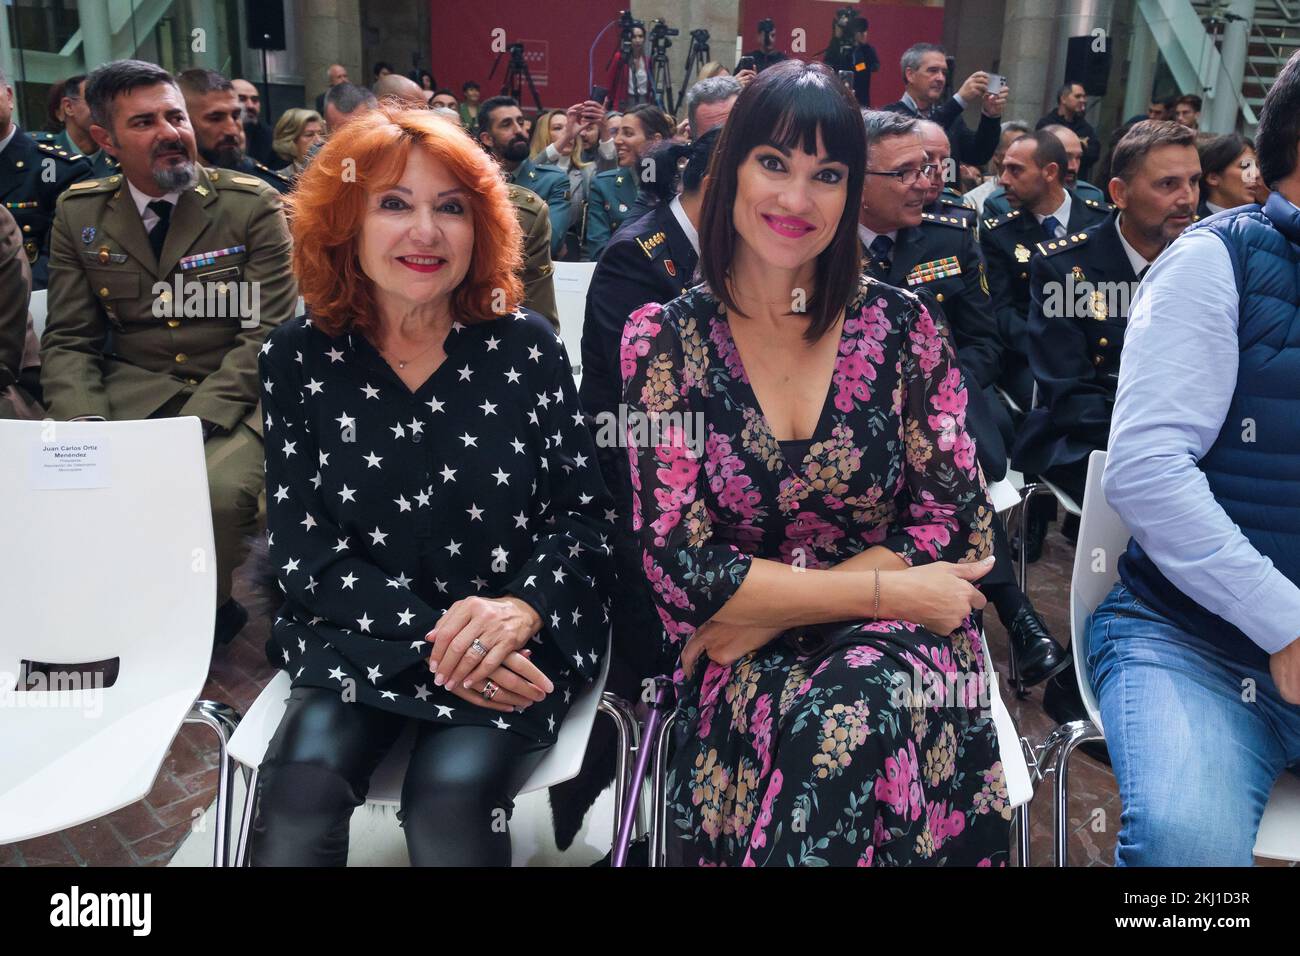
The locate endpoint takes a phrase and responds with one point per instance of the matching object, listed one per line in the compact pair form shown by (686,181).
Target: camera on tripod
(516,51)
(659,34)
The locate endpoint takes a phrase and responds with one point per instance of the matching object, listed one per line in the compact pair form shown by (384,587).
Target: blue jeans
(1194,755)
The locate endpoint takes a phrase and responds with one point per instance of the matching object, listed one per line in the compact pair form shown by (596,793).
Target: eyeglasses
(907,177)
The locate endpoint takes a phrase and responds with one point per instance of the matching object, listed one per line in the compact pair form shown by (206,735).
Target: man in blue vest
(1195,655)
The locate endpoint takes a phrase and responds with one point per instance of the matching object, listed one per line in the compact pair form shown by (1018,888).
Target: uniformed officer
(1082,288)
(32,175)
(217,118)
(188,269)
(15,294)
(501,131)
(935,256)
(942,199)
(76,137)
(1031,174)
(538,278)
(610,202)
(997,203)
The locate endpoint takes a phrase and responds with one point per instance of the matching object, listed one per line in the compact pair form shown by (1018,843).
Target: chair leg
(625,727)
(1065,739)
(659,791)
(246,818)
(223,720)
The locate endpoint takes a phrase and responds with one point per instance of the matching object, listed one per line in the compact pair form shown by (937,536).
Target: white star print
(500,724)
(434,405)
(281,493)
(373,460)
(521,520)
(543,400)
(346,421)
(405,617)
(324,458)
(512,376)
(465,373)
(517,445)
(532,417)
(422,499)
(291,567)
(387,695)
(378,537)
(577,615)
(364,622)
(559,575)
(268,384)
(492,343)
(479,583)
(373,674)
(488,408)
(397,431)
(266,347)
(337,674)
(503,478)
(289,448)
(550,723)
(370,391)
(311,586)
(530,581)
(453,548)
(555,619)
(315,482)
(519,314)
(416,426)
(448,474)
(440,585)
(469,439)
(535,354)
(341,546)
(402,503)
(577,418)
(349,579)
(422,692)
(443,710)
(581,462)
(315,387)
(348,494)
(401,581)
(559,396)
(475,512)
(308,522)
(334,356)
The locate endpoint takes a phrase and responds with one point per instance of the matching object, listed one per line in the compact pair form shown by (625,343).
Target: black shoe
(1038,656)
(638,854)
(231,618)
(1063,704)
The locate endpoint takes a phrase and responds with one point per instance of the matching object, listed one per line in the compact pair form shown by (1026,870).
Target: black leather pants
(457,798)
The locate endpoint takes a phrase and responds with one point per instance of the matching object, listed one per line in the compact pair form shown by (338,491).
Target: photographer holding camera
(766,54)
(630,81)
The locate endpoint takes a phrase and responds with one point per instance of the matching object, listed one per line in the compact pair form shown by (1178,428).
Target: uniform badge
(622,207)
(200,259)
(1022,254)
(1099,305)
(32,252)
(1078,273)
(201,189)
(88,235)
(672,269)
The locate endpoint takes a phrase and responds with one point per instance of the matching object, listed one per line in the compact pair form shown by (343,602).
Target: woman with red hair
(435,514)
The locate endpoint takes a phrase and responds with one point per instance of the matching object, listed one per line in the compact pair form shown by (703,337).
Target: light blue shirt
(1178,372)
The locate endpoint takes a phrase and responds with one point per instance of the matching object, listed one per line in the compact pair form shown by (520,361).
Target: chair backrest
(1102,539)
(37,308)
(1015,769)
(105,556)
(571,282)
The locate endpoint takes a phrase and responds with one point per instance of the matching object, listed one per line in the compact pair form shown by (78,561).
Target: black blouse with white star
(386,506)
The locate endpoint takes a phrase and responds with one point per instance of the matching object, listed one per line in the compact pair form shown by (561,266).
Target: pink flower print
(926,344)
(638,332)
(761,722)
(715,678)
(943,824)
(899,787)
(720,336)
(867,856)
(758,839)
(863,655)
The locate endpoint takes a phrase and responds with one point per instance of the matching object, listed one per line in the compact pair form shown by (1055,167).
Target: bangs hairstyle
(786,106)
(329,204)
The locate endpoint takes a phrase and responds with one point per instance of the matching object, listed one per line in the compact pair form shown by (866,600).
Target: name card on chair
(83,463)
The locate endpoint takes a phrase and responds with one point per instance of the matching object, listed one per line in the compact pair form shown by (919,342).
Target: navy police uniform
(29,193)
(997,203)
(1008,243)
(1082,287)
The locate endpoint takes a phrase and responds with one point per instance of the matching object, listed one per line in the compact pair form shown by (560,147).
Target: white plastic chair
(562,762)
(572,279)
(1102,539)
(88,574)
(37,308)
(1016,755)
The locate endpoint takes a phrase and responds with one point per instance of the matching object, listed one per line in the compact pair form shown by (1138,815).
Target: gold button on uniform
(194,381)
(939,297)
(175,323)
(181,358)
(103,293)
(1104,342)
(27,227)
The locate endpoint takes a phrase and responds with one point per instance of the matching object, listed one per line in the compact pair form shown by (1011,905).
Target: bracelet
(875,614)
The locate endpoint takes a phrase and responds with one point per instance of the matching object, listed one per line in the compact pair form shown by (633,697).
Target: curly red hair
(330,200)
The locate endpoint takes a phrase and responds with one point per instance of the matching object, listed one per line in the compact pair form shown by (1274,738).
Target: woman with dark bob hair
(811,545)
(435,513)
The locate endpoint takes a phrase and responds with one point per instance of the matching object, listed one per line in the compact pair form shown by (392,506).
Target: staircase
(1274,38)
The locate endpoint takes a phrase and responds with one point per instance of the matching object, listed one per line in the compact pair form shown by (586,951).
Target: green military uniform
(551,183)
(101,164)
(997,204)
(162,358)
(32,176)
(15,293)
(613,194)
(539,284)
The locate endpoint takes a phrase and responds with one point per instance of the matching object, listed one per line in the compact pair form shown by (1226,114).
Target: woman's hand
(501,626)
(936,596)
(724,643)
(514,692)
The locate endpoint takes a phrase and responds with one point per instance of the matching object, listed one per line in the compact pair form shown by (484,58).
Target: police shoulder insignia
(1057,246)
(1001,220)
(943,219)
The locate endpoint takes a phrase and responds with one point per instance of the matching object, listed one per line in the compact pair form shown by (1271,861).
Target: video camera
(659,34)
(626,24)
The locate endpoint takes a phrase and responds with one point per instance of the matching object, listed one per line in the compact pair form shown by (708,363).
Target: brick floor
(148,833)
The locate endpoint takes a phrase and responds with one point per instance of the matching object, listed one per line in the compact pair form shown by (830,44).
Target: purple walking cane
(649,739)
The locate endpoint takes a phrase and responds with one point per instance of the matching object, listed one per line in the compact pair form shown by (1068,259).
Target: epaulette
(225,179)
(523,196)
(90,187)
(650,243)
(1054,246)
(949,201)
(1104,206)
(956,222)
(58,151)
(273,172)
(1001,220)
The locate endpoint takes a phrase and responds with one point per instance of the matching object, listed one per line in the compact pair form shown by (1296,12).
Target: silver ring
(489,690)
(479,648)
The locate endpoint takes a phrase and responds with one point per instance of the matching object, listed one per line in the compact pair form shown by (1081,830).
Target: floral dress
(783,759)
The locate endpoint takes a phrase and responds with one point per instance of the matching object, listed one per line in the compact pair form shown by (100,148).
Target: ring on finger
(490,690)
(478,648)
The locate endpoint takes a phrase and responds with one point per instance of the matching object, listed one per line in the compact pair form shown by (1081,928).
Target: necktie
(881,247)
(1143,274)
(158,234)
(1053,227)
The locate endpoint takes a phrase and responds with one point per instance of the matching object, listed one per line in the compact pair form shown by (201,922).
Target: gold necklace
(401,365)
